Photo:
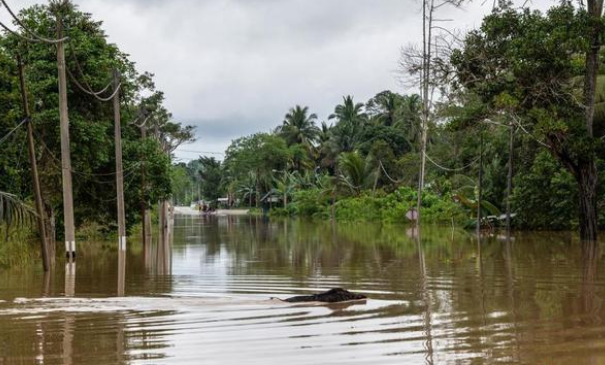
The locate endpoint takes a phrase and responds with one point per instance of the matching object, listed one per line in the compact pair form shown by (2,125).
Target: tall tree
(586,168)
(538,80)
(299,127)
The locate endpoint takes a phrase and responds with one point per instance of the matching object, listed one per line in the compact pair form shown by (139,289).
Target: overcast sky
(235,67)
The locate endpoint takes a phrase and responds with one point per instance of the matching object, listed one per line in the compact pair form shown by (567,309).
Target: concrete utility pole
(34,168)
(480,192)
(146,231)
(68,203)
(119,166)
(509,180)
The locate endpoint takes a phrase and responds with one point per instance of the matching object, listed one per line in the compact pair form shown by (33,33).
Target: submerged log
(335,295)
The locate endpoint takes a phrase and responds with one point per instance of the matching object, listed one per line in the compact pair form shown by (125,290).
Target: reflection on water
(437,297)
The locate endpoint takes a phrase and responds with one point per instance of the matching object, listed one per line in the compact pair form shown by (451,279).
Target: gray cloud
(234,67)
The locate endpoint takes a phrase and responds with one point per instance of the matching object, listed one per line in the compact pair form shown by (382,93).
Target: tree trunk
(595,10)
(587,178)
(587,174)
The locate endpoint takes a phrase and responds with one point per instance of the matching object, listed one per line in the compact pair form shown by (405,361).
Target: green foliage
(90,59)
(530,67)
(356,172)
(17,248)
(182,184)
(14,212)
(211,174)
(545,197)
(299,127)
(389,208)
(311,203)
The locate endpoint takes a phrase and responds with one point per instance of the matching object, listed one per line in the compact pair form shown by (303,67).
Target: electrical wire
(15,33)
(89,174)
(14,129)
(204,152)
(92,93)
(450,169)
(33,34)
(79,69)
(387,174)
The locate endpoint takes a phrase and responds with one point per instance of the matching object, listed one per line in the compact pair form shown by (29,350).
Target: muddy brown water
(445,299)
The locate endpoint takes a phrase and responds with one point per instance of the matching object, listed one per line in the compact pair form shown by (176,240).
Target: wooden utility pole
(119,165)
(68,203)
(34,169)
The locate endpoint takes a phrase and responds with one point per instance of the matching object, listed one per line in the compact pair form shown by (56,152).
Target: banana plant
(284,186)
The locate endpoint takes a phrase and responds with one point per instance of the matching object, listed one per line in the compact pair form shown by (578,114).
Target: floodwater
(444,299)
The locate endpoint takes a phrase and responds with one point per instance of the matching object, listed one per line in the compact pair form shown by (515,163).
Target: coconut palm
(349,112)
(356,173)
(299,127)
(386,108)
(350,122)
(410,117)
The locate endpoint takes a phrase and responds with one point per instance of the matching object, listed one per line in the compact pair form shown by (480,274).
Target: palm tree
(284,186)
(349,112)
(355,171)
(300,158)
(299,127)
(13,211)
(386,108)
(248,187)
(351,119)
(410,120)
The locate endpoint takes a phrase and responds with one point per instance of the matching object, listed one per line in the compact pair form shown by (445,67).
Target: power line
(87,88)
(92,93)
(79,68)
(37,37)
(450,169)
(87,174)
(14,129)
(387,174)
(202,152)
(15,33)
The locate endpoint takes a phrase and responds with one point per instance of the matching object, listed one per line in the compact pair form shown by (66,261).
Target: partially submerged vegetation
(509,133)
(149,132)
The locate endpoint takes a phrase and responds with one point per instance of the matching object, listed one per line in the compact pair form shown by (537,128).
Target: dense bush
(311,203)
(387,208)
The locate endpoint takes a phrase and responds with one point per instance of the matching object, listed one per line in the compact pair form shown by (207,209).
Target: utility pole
(34,168)
(119,165)
(480,192)
(144,211)
(68,203)
(509,184)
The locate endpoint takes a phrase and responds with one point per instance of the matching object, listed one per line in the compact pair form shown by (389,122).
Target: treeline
(506,94)
(149,133)
(365,166)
